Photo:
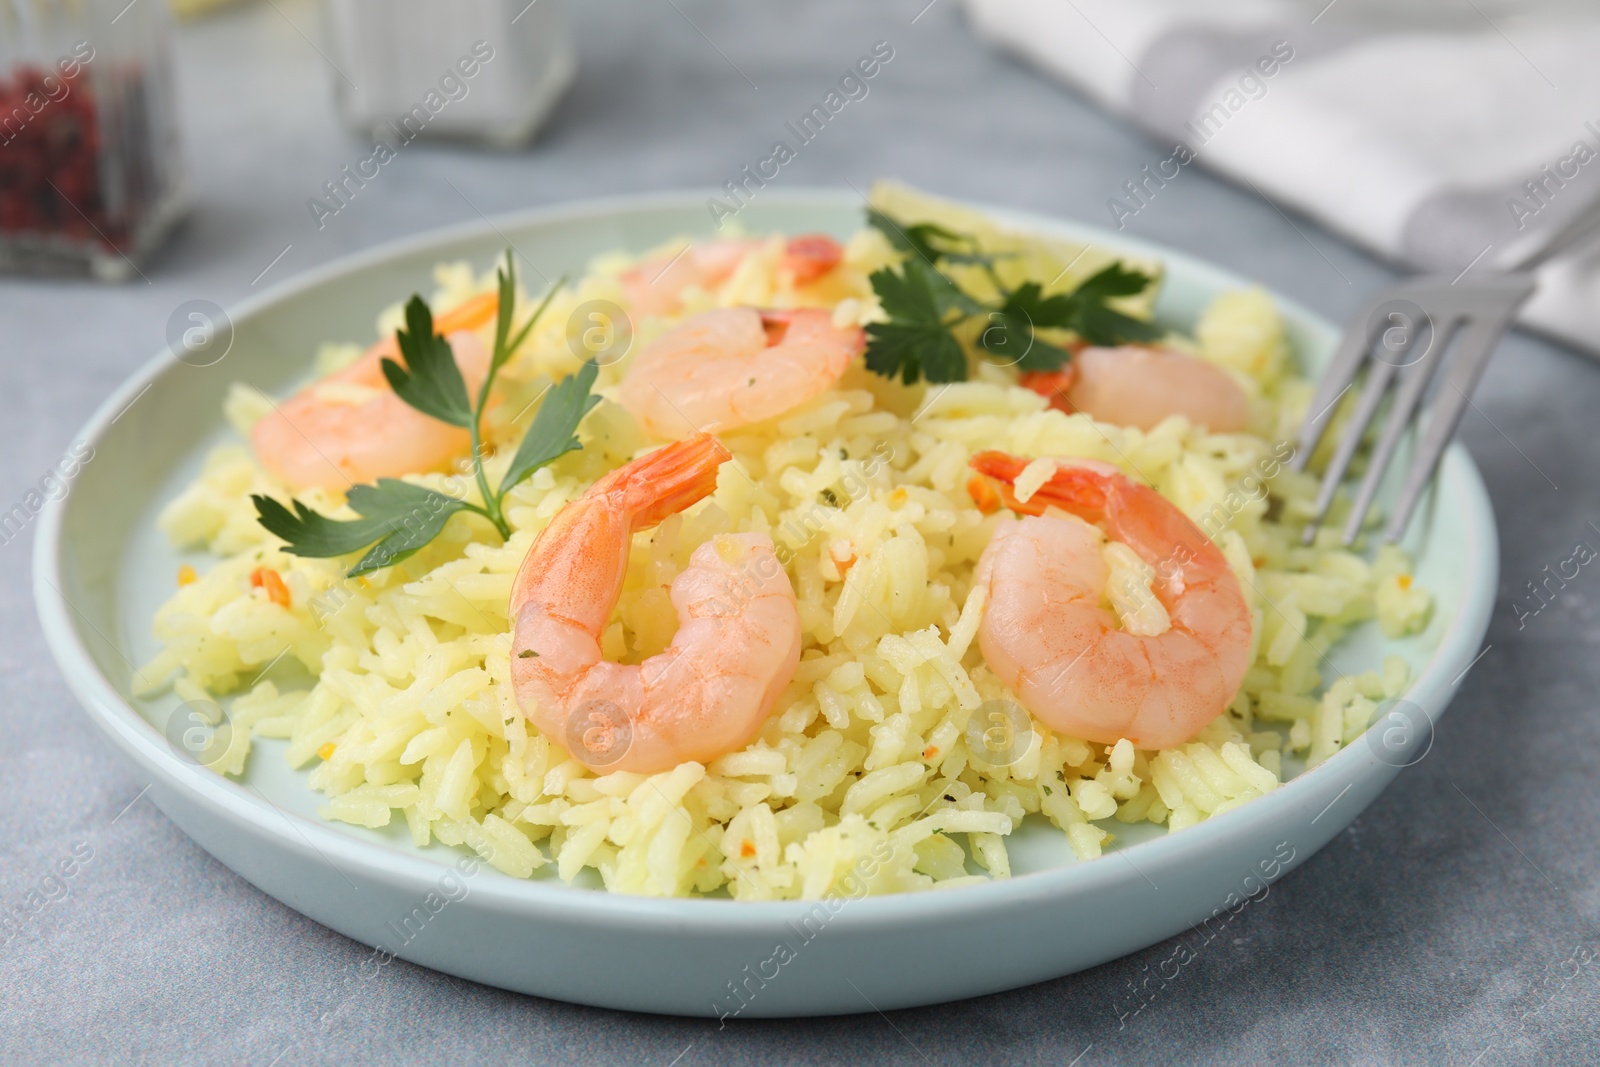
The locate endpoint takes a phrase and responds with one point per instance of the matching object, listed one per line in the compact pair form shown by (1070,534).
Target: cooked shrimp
(738,639)
(1137,386)
(734,366)
(1047,634)
(656,287)
(351,426)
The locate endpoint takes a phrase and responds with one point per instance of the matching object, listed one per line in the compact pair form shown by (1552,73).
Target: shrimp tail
(1082,490)
(666,481)
(468,315)
(1054,385)
(1098,493)
(634,497)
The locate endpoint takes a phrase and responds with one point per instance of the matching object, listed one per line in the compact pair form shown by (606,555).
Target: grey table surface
(1454,922)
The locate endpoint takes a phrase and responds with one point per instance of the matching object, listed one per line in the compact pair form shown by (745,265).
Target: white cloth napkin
(1443,143)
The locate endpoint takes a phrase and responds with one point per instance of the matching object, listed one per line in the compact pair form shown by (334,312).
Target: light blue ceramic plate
(101,569)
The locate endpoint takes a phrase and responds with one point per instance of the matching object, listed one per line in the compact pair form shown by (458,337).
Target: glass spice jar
(474,70)
(89,168)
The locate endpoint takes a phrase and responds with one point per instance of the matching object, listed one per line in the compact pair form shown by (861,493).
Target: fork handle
(1545,248)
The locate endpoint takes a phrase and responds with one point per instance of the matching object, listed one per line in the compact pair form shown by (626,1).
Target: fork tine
(1413,383)
(1482,312)
(1346,363)
(1479,340)
(1378,377)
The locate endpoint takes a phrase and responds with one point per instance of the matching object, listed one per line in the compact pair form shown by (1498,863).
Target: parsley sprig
(927,311)
(398,518)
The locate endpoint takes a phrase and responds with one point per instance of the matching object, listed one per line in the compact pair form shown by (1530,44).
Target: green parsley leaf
(915,351)
(1032,305)
(430,381)
(919,237)
(924,308)
(1100,325)
(1012,336)
(554,430)
(396,502)
(919,293)
(1113,280)
(1082,311)
(916,342)
(406,540)
(504,344)
(398,518)
(1089,317)
(931,242)
(507,290)
(1012,339)
(310,533)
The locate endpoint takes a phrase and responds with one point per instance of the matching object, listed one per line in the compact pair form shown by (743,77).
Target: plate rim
(413,870)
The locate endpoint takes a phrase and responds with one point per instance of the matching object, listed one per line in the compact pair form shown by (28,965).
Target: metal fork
(1402,338)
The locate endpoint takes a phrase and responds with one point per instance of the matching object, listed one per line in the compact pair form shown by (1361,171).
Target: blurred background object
(482,70)
(1444,137)
(90,175)
(192,9)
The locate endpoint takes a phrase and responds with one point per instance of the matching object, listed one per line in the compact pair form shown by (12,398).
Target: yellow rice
(409,713)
